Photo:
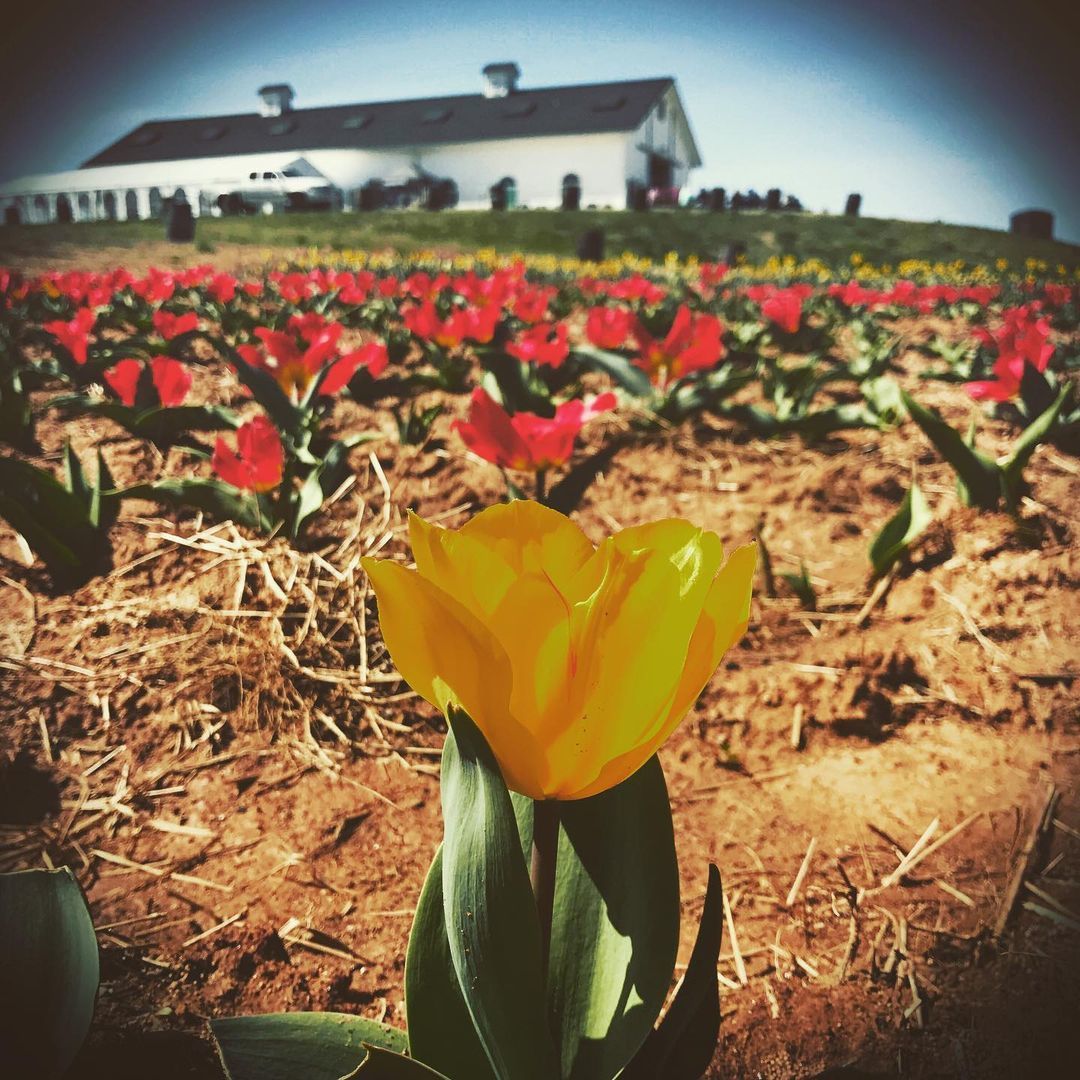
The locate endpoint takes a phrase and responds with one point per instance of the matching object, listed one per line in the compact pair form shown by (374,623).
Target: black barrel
(180,224)
(1038,224)
(590,247)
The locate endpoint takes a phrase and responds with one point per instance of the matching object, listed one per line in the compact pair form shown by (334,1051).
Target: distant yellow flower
(575,662)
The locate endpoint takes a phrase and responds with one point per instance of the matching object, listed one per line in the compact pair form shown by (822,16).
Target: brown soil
(213,737)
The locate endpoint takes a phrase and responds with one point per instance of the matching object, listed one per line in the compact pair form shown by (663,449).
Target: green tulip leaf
(161,424)
(682,1047)
(1036,391)
(67,529)
(901,530)
(627,375)
(978,476)
(491,920)
(223,501)
(49,975)
(299,1046)
(441,1032)
(266,391)
(383,1064)
(1012,469)
(615,930)
(324,479)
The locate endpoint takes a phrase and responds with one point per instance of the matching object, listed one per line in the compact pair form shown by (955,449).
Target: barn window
(612,104)
(131,205)
(84,205)
(571,192)
(145,136)
(282,127)
(356,121)
(520,111)
(661,110)
(156,202)
(212,132)
(63,208)
(504,194)
(436,116)
(41,208)
(109,204)
(268,176)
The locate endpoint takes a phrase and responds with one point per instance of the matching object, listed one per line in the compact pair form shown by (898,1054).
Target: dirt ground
(212,736)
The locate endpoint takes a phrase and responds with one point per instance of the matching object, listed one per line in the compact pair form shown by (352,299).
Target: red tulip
(469,323)
(74,335)
(172,380)
(536,345)
(525,441)
(609,327)
(292,287)
(157,287)
(169,325)
(281,357)
(170,377)
(222,287)
(1023,338)
(784,308)
(295,368)
(257,463)
(692,344)
(530,305)
(637,287)
(372,356)
(123,378)
(308,326)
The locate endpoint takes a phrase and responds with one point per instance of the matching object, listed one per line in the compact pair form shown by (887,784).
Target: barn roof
(557,110)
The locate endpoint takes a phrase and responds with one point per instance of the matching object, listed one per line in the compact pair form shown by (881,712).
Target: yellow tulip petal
(433,640)
(530,537)
(723,621)
(634,646)
(521,607)
(462,567)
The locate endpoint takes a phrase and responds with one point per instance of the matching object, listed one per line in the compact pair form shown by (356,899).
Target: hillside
(830,239)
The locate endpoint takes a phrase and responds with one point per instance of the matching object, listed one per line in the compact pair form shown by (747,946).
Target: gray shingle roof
(558,110)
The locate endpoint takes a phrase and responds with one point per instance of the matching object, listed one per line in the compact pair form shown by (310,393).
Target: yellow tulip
(576,662)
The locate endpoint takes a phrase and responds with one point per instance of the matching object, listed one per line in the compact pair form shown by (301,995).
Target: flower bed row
(539,355)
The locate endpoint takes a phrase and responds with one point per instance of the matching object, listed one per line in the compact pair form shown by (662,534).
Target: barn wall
(661,135)
(537,166)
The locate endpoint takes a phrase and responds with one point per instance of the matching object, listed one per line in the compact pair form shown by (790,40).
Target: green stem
(258,510)
(544,865)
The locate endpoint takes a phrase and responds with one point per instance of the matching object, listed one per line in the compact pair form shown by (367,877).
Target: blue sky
(953,111)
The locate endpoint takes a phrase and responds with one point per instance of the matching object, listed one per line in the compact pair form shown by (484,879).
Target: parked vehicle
(272,191)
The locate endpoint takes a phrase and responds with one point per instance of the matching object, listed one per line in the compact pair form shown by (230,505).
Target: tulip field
(266,531)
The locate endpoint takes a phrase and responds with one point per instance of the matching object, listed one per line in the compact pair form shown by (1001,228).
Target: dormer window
(436,116)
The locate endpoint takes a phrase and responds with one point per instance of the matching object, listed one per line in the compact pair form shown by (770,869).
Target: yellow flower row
(777,267)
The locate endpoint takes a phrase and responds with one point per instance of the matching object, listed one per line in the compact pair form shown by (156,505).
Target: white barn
(607,139)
